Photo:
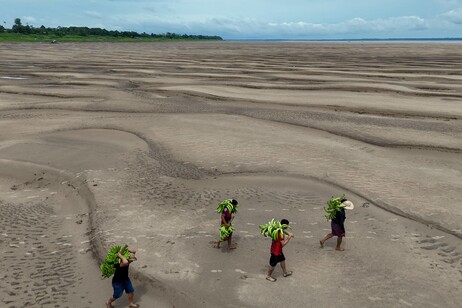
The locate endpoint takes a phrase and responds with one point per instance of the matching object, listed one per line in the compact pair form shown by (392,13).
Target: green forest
(27,33)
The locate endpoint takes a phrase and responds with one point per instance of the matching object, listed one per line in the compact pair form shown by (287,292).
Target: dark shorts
(276,259)
(337,229)
(120,287)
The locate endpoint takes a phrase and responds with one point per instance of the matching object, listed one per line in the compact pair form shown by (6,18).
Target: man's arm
(123,261)
(223,221)
(286,240)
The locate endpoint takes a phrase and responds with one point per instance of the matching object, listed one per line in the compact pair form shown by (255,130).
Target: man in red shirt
(277,256)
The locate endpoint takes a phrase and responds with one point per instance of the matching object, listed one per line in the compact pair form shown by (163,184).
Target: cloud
(28,19)
(93,14)
(244,27)
(454,16)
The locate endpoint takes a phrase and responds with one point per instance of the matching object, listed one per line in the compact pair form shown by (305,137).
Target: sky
(249,19)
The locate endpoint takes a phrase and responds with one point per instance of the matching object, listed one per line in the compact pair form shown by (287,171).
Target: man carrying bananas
(121,282)
(277,256)
(227,208)
(338,224)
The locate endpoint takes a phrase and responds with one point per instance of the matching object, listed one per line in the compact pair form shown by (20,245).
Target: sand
(104,144)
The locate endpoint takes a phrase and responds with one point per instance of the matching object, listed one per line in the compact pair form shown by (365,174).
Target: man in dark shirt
(121,282)
(338,225)
(277,256)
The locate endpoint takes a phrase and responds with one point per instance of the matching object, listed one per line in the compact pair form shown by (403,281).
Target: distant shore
(15,37)
(375,40)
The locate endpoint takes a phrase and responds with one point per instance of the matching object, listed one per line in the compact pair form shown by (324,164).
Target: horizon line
(349,39)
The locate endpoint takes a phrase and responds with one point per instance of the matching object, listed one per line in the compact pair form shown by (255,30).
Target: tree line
(18,27)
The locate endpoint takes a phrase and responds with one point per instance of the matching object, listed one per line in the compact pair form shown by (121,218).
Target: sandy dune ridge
(137,143)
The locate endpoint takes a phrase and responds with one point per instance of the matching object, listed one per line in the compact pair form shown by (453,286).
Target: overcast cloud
(260,19)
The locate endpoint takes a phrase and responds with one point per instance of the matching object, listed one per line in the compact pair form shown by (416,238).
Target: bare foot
(133,305)
(269,278)
(232,247)
(109,305)
(321,243)
(339,249)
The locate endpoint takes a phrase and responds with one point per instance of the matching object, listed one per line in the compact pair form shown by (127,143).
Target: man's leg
(131,302)
(110,301)
(283,266)
(328,236)
(118,290)
(230,245)
(130,293)
(270,274)
(272,264)
(284,269)
(339,242)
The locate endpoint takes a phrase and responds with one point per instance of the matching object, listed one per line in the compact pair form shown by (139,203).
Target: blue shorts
(119,288)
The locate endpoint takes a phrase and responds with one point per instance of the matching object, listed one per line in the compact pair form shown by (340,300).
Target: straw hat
(348,205)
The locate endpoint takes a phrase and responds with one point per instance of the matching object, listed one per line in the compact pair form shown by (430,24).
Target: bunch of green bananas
(225,232)
(228,204)
(107,268)
(274,229)
(333,206)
